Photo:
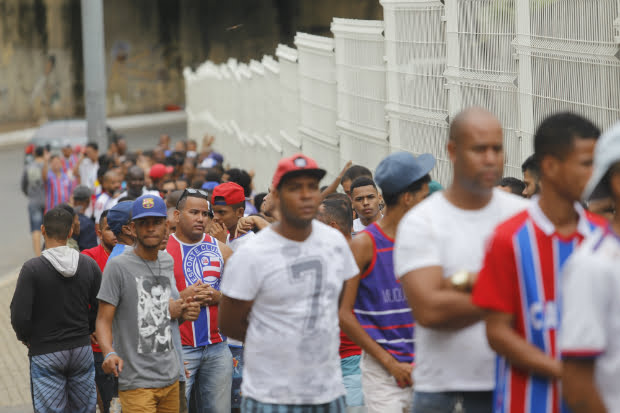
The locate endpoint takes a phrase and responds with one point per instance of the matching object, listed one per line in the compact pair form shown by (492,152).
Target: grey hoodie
(64,259)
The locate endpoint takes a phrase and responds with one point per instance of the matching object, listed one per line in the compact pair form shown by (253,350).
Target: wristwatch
(460,281)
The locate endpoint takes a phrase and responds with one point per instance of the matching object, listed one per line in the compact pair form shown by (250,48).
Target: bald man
(111,185)
(438,252)
(135,185)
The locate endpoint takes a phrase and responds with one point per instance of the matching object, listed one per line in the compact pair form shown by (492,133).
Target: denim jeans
(213,366)
(453,402)
(253,406)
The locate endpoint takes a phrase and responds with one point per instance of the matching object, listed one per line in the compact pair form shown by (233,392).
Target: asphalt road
(15,242)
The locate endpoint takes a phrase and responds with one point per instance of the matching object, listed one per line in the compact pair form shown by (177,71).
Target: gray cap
(400,169)
(81,193)
(606,154)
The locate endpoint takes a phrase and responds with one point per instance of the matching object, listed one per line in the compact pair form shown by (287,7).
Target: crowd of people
(164,282)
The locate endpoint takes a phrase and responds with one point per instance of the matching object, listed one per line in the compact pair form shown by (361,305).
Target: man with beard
(139,295)
(298,266)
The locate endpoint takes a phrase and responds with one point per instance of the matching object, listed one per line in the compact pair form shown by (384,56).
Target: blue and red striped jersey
(69,163)
(521,275)
(381,306)
(58,190)
(202,262)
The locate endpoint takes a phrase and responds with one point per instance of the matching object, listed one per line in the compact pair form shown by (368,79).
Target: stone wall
(148,42)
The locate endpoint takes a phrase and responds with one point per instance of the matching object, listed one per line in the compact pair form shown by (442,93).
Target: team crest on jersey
(203,263)
(148,203)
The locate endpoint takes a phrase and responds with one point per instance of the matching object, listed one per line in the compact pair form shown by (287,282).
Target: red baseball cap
(298,164)
(230,191)
(159,170)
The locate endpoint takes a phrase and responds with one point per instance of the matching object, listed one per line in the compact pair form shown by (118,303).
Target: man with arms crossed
(590,336)
(522,270)
(198,263)
(440,243)
(286,284)
(136,311)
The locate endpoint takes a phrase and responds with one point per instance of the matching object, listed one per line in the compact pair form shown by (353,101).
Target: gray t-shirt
(143,331)
(32,183)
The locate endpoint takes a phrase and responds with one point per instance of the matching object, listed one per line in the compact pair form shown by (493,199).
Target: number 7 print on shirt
(313,268)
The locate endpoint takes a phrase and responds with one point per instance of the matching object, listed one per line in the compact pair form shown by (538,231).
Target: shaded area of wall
(148,42)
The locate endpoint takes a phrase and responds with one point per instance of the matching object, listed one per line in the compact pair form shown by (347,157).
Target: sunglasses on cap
(197,193)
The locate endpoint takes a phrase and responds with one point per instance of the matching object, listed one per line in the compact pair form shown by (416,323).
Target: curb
(122,122)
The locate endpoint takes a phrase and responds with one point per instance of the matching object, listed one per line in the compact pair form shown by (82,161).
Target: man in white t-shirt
(281,299)
(88,165)
(439,249)
(590,333)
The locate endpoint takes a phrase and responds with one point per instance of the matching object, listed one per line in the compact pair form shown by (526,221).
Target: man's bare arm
(233,317)
(579,388)
(437,307)
(333,187)
(112,363)
(505,341)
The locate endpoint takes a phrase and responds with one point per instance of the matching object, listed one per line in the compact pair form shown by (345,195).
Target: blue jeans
(35,212)
(213,365)
(64,381)
(449,402)
(253,406)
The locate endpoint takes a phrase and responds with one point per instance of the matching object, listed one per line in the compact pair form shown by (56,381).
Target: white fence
(384,86)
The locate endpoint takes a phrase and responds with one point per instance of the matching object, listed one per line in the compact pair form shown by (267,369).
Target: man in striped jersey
(58,184)
(374,311)
(198,262)
(522,270)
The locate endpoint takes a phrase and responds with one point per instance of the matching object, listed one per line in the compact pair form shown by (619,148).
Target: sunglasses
(198,193)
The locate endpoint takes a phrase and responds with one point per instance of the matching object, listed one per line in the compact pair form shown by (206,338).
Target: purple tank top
(381,306)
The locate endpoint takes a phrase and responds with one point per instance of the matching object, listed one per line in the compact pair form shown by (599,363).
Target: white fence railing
(384,86)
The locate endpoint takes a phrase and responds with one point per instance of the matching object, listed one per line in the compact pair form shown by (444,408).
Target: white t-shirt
(291,346)
(437,233)
(123,194)
(358,226)
(590,307)
(103,202)
(234,244)
(88,173)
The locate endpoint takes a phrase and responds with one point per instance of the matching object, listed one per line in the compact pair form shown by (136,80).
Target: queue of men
(491,295)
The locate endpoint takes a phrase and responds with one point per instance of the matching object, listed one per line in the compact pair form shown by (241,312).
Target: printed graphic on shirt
(154,335)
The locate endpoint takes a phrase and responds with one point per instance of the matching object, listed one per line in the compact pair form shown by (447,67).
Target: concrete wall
(148,42)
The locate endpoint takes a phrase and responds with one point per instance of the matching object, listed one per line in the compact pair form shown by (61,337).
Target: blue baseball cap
(209,185)
(119,215)
(149,206)
(400,169)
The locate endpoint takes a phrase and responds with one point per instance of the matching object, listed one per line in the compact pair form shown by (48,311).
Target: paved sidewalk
(14,370)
